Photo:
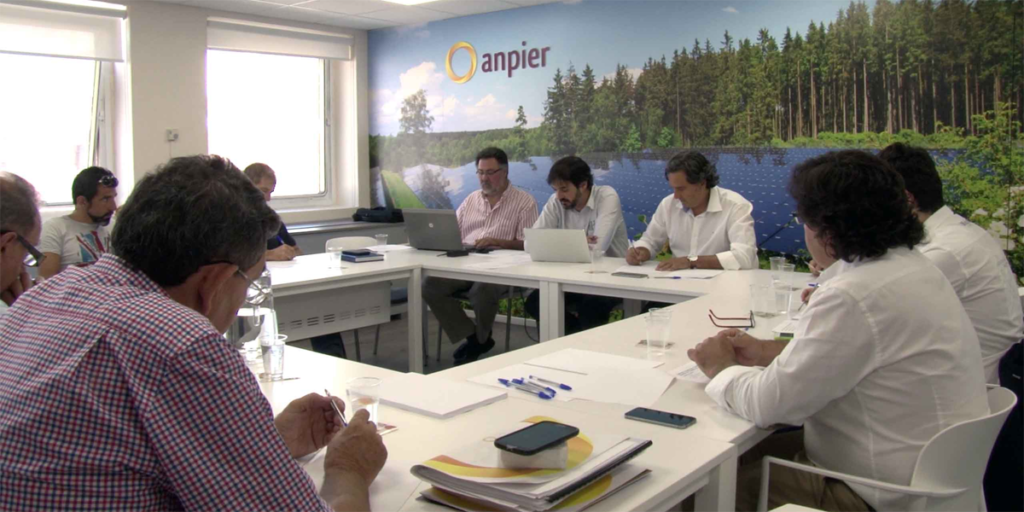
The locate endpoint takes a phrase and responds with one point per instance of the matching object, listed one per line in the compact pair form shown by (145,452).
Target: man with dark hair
(121,393)
(81,238)
(969,257)
(492,217)
(883,358)
(579,204)
(280,247)
(19,233)
(706,226)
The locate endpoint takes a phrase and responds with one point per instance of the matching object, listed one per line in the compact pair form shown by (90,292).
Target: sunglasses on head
(108,181)
(34,258)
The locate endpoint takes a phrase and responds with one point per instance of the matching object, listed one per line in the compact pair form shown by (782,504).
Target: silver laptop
(432,230)
(561,245)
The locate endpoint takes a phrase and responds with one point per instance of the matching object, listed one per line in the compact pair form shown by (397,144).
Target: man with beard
(578,204)
(81,238)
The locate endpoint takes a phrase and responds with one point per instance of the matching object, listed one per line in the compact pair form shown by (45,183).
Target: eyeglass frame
(490,172)
(33,253)
(713,317)
(251,284)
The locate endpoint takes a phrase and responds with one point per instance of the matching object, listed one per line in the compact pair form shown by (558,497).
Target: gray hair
(19,204)
(191,212)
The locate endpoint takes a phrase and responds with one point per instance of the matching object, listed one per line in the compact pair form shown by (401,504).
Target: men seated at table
(579,204)
(706,226)
(884,356)
(81,238)
(121,393)
(967,255)
(492,217)
(20,226)
(280,247)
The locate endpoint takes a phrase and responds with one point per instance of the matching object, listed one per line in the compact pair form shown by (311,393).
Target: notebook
(437,398)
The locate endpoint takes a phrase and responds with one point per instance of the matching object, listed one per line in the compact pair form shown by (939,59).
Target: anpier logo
(498,61)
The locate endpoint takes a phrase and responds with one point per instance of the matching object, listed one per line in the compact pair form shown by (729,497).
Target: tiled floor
(394,345)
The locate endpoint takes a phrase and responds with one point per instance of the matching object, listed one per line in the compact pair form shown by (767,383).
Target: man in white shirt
(883,358)
(705,225)
(579,204)
(81,238)
(970,258)
(492,217)
(20,226)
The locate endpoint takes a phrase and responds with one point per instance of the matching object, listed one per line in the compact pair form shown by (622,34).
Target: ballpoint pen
(543,389)
(546,381)
(667,277)
(336,410)
(510,384)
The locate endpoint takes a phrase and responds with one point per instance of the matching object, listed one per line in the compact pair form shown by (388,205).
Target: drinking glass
(364,393)
(273,356)
(762,300)
(382,241)
(659,329)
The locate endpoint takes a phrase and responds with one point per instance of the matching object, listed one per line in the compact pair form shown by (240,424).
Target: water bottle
(256,320)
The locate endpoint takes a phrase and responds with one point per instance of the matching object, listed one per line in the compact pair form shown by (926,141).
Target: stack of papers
(472,478)
(389,491)
(437,398)
(649,269)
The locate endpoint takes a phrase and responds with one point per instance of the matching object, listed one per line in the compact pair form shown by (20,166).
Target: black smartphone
(629,274)
(536,438)
(667,419)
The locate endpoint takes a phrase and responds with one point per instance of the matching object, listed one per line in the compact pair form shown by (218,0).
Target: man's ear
(210,281)
(911,200)
(7,239)
(81,201)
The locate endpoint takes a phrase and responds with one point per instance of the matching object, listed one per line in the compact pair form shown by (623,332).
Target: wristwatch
(693,261)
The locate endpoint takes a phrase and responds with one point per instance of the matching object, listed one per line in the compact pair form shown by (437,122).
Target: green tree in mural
(632,144)
(416,119)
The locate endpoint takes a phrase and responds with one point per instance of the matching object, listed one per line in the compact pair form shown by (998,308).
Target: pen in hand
(336,410)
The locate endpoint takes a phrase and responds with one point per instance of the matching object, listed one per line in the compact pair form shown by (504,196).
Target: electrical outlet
(172,135)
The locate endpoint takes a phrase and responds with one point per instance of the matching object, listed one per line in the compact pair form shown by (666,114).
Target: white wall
(167,73)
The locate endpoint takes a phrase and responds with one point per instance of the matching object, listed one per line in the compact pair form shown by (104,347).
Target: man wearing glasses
(19,231)
(120,391)
(81,238)
(492,217)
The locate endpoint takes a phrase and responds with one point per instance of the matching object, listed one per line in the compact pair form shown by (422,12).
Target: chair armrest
(903,489)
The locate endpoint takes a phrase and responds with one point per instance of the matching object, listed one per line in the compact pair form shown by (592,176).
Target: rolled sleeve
(719,388)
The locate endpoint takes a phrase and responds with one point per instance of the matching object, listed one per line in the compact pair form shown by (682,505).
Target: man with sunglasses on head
(19,232)
(81,238)
(120,393)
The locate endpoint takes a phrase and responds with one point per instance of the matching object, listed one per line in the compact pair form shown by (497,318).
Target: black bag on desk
(1006,464)
(378,214)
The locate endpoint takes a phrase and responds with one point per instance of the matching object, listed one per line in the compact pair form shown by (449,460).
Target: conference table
(318,273)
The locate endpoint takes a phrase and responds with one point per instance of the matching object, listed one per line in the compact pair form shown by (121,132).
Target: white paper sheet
(649,269)
(389,491)
(640,387)
(389,248)
(437,398)
(690,372)
(586,361)
(494,263)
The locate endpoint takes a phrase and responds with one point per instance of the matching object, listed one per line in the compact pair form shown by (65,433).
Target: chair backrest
(956,457)
(347,243)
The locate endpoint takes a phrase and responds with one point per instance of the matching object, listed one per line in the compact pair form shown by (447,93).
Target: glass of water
(273,356)
(595,257)
(762,300)
(659,328)
(382,242)
(364,393)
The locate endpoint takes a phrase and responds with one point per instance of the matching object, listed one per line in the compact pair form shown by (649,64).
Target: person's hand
(591,240)
(806,294)
(637,255)
(815,268)
(747,348)
(309,423)
(284,252)
(675,264)
(18,287)
(713,355)
(359,449)
(489,243)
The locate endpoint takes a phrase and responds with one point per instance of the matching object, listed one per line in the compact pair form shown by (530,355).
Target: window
(271,109)
(49,128)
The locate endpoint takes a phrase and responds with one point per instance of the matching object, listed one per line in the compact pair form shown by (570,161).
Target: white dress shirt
(883,358)
(977,268)
(601,217)
(725,229)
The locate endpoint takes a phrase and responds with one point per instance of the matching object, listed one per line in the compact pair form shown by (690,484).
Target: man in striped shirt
(492,217)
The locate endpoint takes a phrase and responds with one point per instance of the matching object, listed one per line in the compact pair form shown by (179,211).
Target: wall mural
(756,86)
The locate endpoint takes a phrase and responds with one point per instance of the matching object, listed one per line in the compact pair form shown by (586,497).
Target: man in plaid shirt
(117,390)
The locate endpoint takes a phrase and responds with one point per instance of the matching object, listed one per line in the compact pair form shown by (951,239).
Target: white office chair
(347,243)
(949,470)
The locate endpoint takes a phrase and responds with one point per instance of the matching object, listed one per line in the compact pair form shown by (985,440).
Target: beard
(102,220)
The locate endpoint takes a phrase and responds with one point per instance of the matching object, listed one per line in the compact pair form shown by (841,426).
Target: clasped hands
(729,347)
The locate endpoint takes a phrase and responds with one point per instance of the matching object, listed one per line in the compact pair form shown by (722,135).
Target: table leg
(552,311)
(417,321)
(720,492)
(631,307)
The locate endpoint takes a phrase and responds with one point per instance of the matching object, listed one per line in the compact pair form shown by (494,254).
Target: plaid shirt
(114,396)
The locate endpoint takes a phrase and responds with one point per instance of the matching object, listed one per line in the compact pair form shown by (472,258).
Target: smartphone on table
(667,419)
(536,438)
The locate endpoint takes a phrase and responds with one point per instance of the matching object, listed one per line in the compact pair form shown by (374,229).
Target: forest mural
(757,86)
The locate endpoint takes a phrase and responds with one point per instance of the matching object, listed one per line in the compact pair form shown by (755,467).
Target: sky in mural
(406,59)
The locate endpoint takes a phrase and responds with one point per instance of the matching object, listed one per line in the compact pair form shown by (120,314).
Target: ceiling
(360,14)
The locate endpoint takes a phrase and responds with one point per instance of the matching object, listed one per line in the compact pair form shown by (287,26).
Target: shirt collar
(110,265)
(940,217)
(714,201)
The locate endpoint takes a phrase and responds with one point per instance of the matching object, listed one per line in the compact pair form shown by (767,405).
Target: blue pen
(510,384)
(280,240)
(522,382)
(812,285)
(546,381)
(667,277)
